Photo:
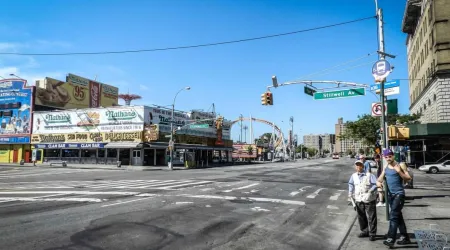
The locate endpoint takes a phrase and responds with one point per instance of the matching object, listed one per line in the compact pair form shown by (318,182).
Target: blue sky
(231,76)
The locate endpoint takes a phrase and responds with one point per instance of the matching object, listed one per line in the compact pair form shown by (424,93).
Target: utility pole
(240,137)
(381,56)
(245,134)
(291,120)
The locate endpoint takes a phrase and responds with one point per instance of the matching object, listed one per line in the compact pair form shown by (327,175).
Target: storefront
(15,112)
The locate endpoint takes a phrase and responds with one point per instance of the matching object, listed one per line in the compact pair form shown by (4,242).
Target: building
(426,22)
(319,142)
(16,109)
(132,135)
(345,145)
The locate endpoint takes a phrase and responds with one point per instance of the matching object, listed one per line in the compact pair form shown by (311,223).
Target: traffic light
(267,98)
(263,99)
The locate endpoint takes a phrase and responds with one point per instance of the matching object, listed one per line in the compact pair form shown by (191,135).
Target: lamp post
(171,143)
(291,121)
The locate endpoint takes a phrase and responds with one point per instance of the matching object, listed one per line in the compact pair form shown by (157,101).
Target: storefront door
(136,159)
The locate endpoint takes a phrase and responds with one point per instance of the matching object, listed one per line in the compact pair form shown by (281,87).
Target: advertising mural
(244,151)
(75,92)
(15,111)
(115,119)
(132,136)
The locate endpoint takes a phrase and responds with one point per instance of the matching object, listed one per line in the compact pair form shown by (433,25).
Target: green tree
(349,152)
(361,151)
(312,152)
(326,151)
(365,128)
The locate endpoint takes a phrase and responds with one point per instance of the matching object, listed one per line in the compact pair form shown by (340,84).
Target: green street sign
(199,126)
(340,94)
(309,91)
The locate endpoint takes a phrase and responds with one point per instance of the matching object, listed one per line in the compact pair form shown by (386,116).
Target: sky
(232,76)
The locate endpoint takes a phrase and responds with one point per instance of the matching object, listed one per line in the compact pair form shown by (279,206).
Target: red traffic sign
(376,109)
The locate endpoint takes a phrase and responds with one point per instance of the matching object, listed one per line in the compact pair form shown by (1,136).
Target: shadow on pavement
(435,218)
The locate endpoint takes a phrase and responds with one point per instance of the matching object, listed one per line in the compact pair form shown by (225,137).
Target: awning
(122,145)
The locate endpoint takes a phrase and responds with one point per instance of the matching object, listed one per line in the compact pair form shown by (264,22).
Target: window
(429,102)
(424,107)
(434,97)
(430,13)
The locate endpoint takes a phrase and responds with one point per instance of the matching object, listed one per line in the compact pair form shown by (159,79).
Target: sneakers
(363,235)
(389,242)
(372,238)
(381,204)
(404,240)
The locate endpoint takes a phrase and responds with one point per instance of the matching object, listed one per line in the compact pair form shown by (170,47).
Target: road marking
(258,209)
(71,192)
(336,195)
(294,193)
(186,184)
(303,188)
(219,197)
(332,207)
(183,202)
(239,188)
(123,202)
(313,195)
(51,199)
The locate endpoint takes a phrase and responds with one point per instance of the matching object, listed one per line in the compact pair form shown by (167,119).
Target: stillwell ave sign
(340,94)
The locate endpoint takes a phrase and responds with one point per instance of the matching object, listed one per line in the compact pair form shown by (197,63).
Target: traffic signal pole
(385,143)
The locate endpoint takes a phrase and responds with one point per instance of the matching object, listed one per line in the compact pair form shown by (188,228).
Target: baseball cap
(360,162)
(388,152)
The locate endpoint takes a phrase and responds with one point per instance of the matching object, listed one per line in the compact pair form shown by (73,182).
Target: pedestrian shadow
(417,205)
(414,197)
(431,189)
(433,218)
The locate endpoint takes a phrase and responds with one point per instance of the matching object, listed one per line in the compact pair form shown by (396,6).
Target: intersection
(264,206)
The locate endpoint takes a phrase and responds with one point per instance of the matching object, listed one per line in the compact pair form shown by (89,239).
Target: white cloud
(143,87)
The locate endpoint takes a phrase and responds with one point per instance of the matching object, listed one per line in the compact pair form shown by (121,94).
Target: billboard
(114,119)
(244,151)
(100,94)
(88,137)
(15,111)
(75,92)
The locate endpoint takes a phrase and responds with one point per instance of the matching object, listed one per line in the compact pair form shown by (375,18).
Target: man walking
(395,177)
(361,187)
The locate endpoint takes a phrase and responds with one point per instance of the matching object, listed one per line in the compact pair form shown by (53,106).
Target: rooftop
(411,16)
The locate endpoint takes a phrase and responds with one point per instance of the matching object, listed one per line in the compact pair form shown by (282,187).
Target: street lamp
(17,76)
(171,143)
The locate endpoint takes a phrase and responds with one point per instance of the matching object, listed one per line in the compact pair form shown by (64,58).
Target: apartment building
(315,141)
(344,145)
(426,22)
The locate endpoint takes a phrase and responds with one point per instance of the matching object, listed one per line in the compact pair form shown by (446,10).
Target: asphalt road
(300,205)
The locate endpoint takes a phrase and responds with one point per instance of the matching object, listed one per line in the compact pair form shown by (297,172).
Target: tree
(361,151)
(250,150)
(326,151)
(365,128)
(349,152)
(312,152)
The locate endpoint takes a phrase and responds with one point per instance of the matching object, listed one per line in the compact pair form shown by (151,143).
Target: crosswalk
(118,192)
(19,173)
(109,184)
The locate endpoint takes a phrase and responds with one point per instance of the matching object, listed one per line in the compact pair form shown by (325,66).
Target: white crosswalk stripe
(111,184)
(16,173)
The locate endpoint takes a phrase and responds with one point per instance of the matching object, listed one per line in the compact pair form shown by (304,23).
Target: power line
(188,46)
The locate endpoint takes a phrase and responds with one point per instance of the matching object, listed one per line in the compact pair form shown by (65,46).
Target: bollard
(119,164)
(22,162)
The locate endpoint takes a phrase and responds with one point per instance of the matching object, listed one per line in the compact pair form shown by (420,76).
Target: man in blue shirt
(395,177)
(362,187)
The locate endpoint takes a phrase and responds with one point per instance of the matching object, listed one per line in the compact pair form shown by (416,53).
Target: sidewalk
(424,205)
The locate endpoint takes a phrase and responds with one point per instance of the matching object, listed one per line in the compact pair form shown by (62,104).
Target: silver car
(436,167)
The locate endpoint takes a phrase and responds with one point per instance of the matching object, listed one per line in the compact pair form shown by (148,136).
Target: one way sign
(376,109)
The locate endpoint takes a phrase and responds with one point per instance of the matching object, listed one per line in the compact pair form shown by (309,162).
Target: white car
(436,167)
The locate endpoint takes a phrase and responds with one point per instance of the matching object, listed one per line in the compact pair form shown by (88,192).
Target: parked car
(335,156)
(436,167)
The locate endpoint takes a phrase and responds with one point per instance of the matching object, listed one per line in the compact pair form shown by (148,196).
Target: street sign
(376,109)
(340,94)
(309,91)
(380,70)
(387,85)
(390,91)
(392,106)
(199,126)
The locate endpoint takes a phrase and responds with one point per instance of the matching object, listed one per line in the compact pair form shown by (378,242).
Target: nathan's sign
(135,136)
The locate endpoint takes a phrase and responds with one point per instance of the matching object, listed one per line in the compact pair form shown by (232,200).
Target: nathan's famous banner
(113,119)
(75,92)
(132,136)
